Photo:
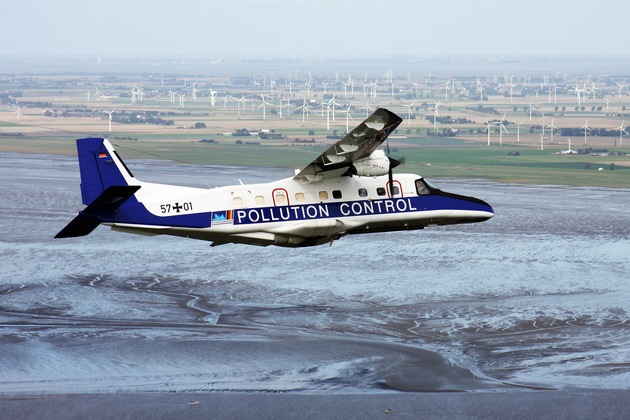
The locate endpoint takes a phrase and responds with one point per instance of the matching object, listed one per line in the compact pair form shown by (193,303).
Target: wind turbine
(501,129)
(585,127)
(552,127)
(435,114)
(88,96)
(550,91)
(333,104)
(348,117)
(621,132)
(480,87)
(264,107)
(289,106)
(488,124)
(194,91)
(328,115)
(305,111)
(512,86)
(290,85)
(134,94)
(530,109)
(409,113)
(110,118)
(619,89)
(19,114)
(213,96)
(367,108)
(280,107)
(239,102)
(309,82)
(578,92)
(593,89)
(542,142)
(518,131)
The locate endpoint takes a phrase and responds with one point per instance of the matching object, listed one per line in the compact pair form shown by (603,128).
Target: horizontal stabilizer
(79,226)
(111,198)
(88,220)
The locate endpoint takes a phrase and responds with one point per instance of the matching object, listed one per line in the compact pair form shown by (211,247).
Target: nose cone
(483,206)
(469,208)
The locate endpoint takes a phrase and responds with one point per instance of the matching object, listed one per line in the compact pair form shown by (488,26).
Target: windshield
(424,187)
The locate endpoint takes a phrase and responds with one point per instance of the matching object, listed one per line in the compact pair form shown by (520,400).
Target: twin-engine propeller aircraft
(348,189)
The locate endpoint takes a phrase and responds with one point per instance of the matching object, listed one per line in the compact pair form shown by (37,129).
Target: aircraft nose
(485,207)
(477,208)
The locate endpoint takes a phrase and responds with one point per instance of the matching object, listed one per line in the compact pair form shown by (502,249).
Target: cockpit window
(423,187)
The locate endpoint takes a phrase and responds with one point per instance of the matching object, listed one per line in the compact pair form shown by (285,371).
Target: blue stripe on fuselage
(134,212)
(355,208)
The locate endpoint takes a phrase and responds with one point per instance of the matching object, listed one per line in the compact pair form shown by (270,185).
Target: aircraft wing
(357,144)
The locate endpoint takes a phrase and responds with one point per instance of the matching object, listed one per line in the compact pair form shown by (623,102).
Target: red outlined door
(280,197)
(397,190)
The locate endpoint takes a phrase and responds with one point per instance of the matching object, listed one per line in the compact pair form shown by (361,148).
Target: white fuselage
(288,211)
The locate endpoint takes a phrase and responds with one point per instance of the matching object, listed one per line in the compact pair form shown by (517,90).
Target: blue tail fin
(100,168)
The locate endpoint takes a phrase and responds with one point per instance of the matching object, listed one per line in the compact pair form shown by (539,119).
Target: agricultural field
(558,128)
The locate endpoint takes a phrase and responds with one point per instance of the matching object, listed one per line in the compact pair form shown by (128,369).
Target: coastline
(564,404)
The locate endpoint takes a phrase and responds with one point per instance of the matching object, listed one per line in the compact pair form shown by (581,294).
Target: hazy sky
(314,27)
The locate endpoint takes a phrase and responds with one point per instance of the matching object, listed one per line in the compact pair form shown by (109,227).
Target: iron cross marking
(177,207)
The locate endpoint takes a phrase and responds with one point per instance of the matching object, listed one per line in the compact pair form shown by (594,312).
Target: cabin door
(280,197)
(397,187)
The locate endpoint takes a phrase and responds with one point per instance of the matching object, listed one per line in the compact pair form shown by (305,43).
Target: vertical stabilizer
(100,168)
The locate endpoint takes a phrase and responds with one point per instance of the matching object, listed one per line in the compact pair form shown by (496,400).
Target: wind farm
(505,125)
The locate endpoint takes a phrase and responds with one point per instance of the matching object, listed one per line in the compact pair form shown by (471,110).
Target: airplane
(348,189)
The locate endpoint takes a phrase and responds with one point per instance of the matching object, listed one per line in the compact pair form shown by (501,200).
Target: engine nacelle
(374,165)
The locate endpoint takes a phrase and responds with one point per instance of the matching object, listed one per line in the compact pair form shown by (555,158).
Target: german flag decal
(222,217)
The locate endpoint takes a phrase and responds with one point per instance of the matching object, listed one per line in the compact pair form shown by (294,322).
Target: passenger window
(237,202)
(260,199)
(323,195)
(396,190)
(299,197)
(336,194)
(363,192)
(381,191)
(281,199)
(421,188)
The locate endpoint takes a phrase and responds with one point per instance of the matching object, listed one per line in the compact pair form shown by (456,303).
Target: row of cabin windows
(281,199)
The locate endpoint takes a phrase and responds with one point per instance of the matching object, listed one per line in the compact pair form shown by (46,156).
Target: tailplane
(105,186)
(88,220)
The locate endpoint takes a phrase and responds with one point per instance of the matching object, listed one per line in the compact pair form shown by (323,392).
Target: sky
(315,27)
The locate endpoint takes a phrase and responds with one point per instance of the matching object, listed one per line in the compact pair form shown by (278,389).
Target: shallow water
(537,296)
